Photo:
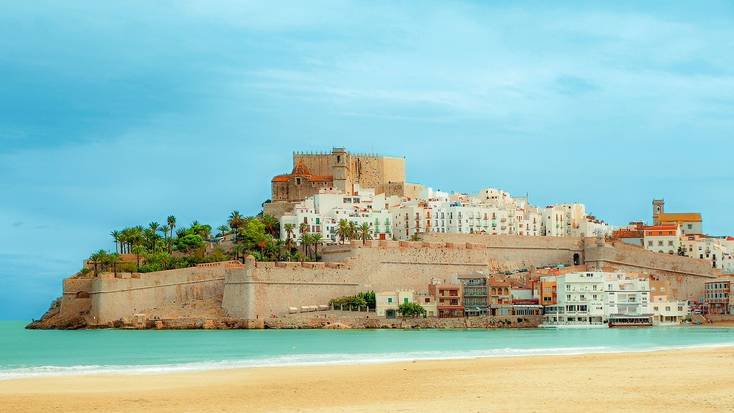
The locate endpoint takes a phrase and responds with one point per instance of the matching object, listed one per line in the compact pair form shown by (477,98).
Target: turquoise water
(36,352)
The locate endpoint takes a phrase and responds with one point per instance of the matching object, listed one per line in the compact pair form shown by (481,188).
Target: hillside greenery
(157,247)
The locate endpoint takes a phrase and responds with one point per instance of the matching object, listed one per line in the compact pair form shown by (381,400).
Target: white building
(580,300)
(718,251)
(662,238)
(388,303)
(321,213)
(667,311)
(627,299)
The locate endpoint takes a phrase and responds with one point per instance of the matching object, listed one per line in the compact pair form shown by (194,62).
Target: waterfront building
(500,297)
(428,302)
(627,299)
(525,301)
(387,303)
(548,293)
(667,311)
(581,300)
(449,299)
(476,293)
(717,296)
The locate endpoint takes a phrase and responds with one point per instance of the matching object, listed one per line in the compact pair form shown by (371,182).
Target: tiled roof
(680,217)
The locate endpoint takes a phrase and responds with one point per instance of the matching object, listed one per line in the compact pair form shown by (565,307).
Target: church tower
(658,207)
(339,166)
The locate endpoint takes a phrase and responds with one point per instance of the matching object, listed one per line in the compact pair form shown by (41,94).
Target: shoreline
(244,365)
(684,379)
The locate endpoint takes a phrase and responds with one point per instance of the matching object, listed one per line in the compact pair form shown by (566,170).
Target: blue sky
(113,116)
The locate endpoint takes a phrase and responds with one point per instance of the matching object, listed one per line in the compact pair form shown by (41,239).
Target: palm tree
(223,230)
(364,232)
(289,235)
(116,237)
(316,240)
(235,221)
(171,220)
(114,259)
(303,228)
(353,231)
(237,250)
(138,250)
(272,226)
(305,243)
(343,230)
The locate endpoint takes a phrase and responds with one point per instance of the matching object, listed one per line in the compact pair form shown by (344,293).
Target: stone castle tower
(338,170)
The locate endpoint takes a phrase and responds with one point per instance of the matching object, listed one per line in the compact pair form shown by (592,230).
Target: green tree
(412,310)
(289,228)
(116,237)
(223,230)
(316,239)
(272,226)
(343,230)
(171,221)
(365,232)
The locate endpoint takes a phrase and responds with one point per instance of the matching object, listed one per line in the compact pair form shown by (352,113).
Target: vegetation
(369,298)
(364,299)
(412,310)
(348,301)
(156,247)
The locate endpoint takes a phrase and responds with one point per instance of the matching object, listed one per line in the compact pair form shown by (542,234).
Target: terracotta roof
(680,217)
(660,227)
(627,233)
(281,178)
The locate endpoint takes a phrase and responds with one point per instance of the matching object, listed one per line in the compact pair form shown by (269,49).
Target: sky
(118,114)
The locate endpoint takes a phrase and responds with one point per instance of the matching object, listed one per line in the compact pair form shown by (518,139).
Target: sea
(30,353)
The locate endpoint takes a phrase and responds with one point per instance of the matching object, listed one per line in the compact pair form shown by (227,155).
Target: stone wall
(686,275)
(115,298)
(259,291)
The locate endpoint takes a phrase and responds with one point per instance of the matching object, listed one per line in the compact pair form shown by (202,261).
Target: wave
(322,359)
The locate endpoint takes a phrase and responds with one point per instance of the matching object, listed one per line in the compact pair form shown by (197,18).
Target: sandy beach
(699,380)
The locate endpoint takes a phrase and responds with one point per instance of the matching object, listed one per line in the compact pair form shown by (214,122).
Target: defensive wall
(686,275)
(259,290)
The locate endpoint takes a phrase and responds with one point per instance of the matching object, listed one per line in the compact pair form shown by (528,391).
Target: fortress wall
(115,298)
(625,255)
(75,300)
(509,241)
(378,266)
(687,275)
(278,288)
(317,164)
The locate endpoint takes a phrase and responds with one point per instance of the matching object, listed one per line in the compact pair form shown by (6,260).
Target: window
(389,300)
(405,300)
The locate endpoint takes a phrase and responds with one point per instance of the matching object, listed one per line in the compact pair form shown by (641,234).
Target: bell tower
(339,167)
(658,207)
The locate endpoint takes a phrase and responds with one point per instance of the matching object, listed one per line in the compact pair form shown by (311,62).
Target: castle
(340,170)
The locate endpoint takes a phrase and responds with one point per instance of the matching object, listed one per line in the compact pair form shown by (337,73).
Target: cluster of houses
(679,233)
(491,211)
(573,299)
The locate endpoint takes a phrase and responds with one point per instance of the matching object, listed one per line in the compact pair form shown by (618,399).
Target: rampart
(260,290)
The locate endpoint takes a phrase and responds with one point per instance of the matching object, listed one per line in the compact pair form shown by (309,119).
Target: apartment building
(627,300)
(717,296)
(449,299)
(581,300)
